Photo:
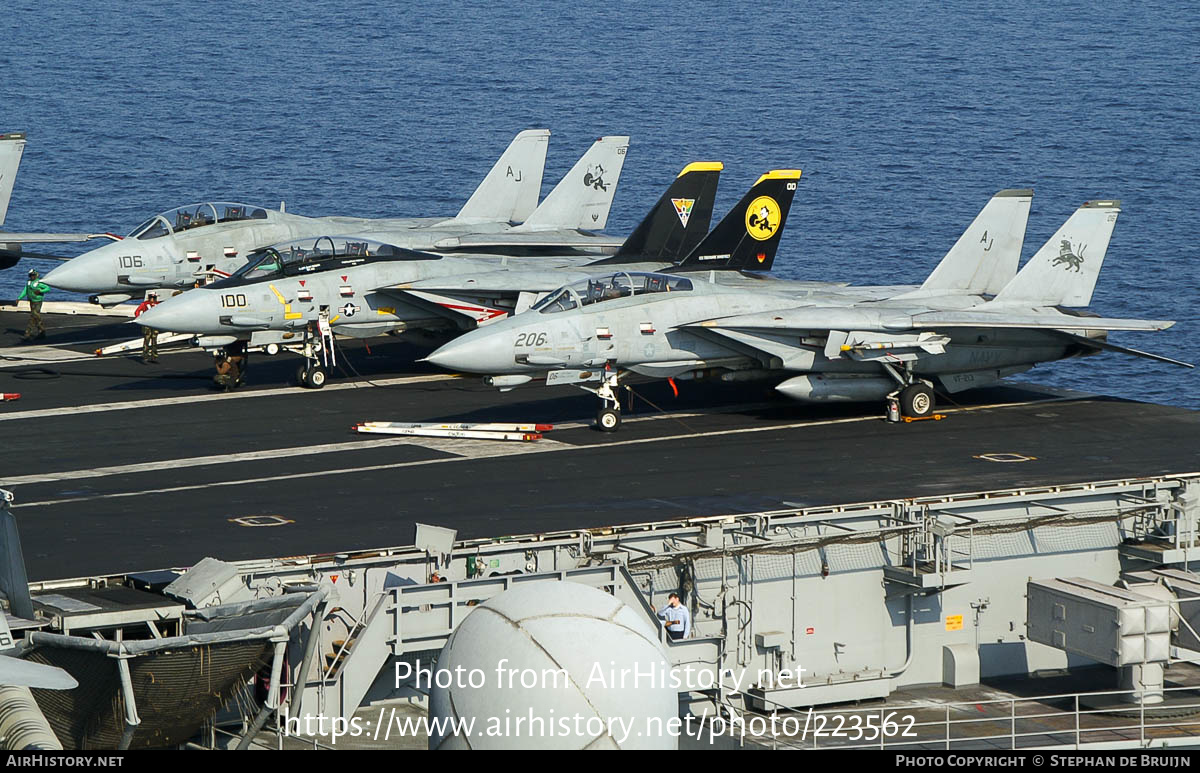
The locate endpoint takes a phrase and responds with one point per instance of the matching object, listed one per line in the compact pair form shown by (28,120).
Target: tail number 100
(231,301)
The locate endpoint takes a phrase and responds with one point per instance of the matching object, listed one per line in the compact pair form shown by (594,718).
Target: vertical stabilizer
(11,148)
(985,257)
(1065,269)
(677,222)
(509,193)
(581,200)
(14,583)
(746,239)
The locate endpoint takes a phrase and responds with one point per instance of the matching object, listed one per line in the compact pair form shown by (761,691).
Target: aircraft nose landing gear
(608,418)
(318,349)
(311,376)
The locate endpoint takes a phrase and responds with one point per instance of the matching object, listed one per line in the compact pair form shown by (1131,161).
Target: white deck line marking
(129,405)
(470,449)
(34,356)
(461,448)
(53,310)
(481,449)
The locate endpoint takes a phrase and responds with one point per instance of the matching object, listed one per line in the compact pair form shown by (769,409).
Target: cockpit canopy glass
(196,216)
(598,289)
(315,254)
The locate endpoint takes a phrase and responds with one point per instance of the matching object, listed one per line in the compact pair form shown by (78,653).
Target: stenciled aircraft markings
(683,208)
(1068,258)
(287,307)
(762,217)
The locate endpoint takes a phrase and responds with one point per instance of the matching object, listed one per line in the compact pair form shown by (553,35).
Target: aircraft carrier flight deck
(119,465)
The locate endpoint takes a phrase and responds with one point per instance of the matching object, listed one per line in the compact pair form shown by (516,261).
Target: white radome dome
(518,641)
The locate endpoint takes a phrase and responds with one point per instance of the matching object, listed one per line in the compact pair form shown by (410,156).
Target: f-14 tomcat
(175,249)
(294,286)
(971,323)
(360,287)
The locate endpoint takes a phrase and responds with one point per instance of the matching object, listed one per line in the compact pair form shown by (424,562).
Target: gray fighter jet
(357,286)
(418,292)
(971,323)
(208,241)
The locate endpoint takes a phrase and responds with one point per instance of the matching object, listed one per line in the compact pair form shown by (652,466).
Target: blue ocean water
(904,117)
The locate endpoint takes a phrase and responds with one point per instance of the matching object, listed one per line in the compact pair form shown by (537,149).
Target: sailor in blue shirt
(679,620)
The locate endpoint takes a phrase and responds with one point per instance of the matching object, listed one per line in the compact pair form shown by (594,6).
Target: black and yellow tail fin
(678,222)
(747,238)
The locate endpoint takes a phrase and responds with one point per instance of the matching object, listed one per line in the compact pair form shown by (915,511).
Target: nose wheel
(312,374)
(608,419)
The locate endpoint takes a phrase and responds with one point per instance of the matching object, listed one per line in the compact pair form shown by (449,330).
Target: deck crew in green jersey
(35,290)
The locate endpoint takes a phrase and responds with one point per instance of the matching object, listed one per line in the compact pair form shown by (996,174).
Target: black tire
(271,350)
(608,420)
(301,372)
(917,401)
(315,378)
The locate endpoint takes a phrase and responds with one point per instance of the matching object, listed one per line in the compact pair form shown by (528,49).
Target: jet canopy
(313,254)
(597,289)
(196,216)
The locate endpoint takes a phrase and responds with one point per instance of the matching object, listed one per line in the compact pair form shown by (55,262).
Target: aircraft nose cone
(80,275)
(476,352)
(176,315)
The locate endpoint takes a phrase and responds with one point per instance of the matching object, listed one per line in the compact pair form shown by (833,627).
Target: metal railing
(1123,719)
(342,652)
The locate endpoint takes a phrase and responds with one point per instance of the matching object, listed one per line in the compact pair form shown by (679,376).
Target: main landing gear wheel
(300,371)
(917,401)
(608,419)
(271,350)
(314,378)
